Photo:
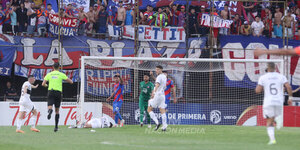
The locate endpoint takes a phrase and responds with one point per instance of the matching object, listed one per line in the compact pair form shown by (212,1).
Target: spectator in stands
(102,21)
(90,21)
(96,12)
(48,12)
(41,23)
(61,12)
(27,4)
(160,18)
(2,17)
(10,92)
(174,12)
(112,14)
(277,23)
(192,22)
(225,14)
(251,10)
(169,15)
(289,23)
(82,17)
(246,28)
(298,22)
(202,30)
(267,20)
(257,26)
(32,18)
(7,20)
(215,30)
(236,25)
(13,23)
(129,16)
(70,11)
(145,17)
(181,17)
(22,19)
(121,16)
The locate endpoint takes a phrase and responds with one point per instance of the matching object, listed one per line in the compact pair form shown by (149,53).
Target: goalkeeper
(146,88)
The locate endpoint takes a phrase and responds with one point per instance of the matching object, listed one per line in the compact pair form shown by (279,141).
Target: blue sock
(119,116)
(116,118)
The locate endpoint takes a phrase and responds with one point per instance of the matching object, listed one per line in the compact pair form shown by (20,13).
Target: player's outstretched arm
(174,94)
(109,98)
(155,89)
(296,90)
(258,89)
(290,92)
(44,84)
(152,76)
(35,86)
(69,81)
(259,52)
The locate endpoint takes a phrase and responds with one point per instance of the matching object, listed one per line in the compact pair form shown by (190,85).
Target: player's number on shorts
(273,89)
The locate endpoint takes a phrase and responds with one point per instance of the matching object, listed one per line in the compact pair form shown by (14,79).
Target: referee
(55,79)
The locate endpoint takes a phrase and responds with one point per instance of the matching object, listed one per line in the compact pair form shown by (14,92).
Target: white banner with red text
(68,110)
(149,33)
(216,22)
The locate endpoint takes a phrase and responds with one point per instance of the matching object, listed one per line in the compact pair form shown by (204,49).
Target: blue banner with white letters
(6,58)
(189,113)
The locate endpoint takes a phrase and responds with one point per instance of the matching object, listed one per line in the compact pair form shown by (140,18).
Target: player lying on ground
(102,122)
(146,88)
(118,99)
(158,99)
(26,105)
(283,51)
(273,83)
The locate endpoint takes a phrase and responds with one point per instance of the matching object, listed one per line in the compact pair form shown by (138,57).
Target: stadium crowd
(18,17)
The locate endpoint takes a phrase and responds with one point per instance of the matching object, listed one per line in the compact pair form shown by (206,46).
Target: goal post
(208,91)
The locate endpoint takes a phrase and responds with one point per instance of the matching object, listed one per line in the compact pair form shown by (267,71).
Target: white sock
(19,123)
(271,133)
(32,121)
(164,119)
(153,117)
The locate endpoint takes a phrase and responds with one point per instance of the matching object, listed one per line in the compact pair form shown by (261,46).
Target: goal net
(208,91)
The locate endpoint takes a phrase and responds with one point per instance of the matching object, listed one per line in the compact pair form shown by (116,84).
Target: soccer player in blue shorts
(118,99)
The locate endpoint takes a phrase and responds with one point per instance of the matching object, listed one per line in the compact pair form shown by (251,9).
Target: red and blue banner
(6,58)
(245,75)
(62,26)
(39,54)
(100,82)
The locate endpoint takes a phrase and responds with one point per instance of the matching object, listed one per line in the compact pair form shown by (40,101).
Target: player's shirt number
(273,89)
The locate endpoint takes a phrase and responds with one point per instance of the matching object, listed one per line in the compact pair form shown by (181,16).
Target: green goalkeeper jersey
(146,89)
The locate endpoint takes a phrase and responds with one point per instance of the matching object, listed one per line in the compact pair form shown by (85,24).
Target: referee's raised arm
(55,80)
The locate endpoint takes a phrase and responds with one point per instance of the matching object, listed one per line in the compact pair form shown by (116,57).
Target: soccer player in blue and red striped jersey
(118,99)
(170,86)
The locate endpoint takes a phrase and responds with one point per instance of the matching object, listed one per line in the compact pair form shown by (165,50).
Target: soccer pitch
(134,137)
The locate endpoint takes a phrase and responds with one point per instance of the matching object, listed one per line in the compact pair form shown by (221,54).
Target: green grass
(134,137)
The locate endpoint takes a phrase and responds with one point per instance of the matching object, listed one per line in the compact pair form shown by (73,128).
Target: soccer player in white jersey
(273,83)
(26,105)
(102,122)
(158,99)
